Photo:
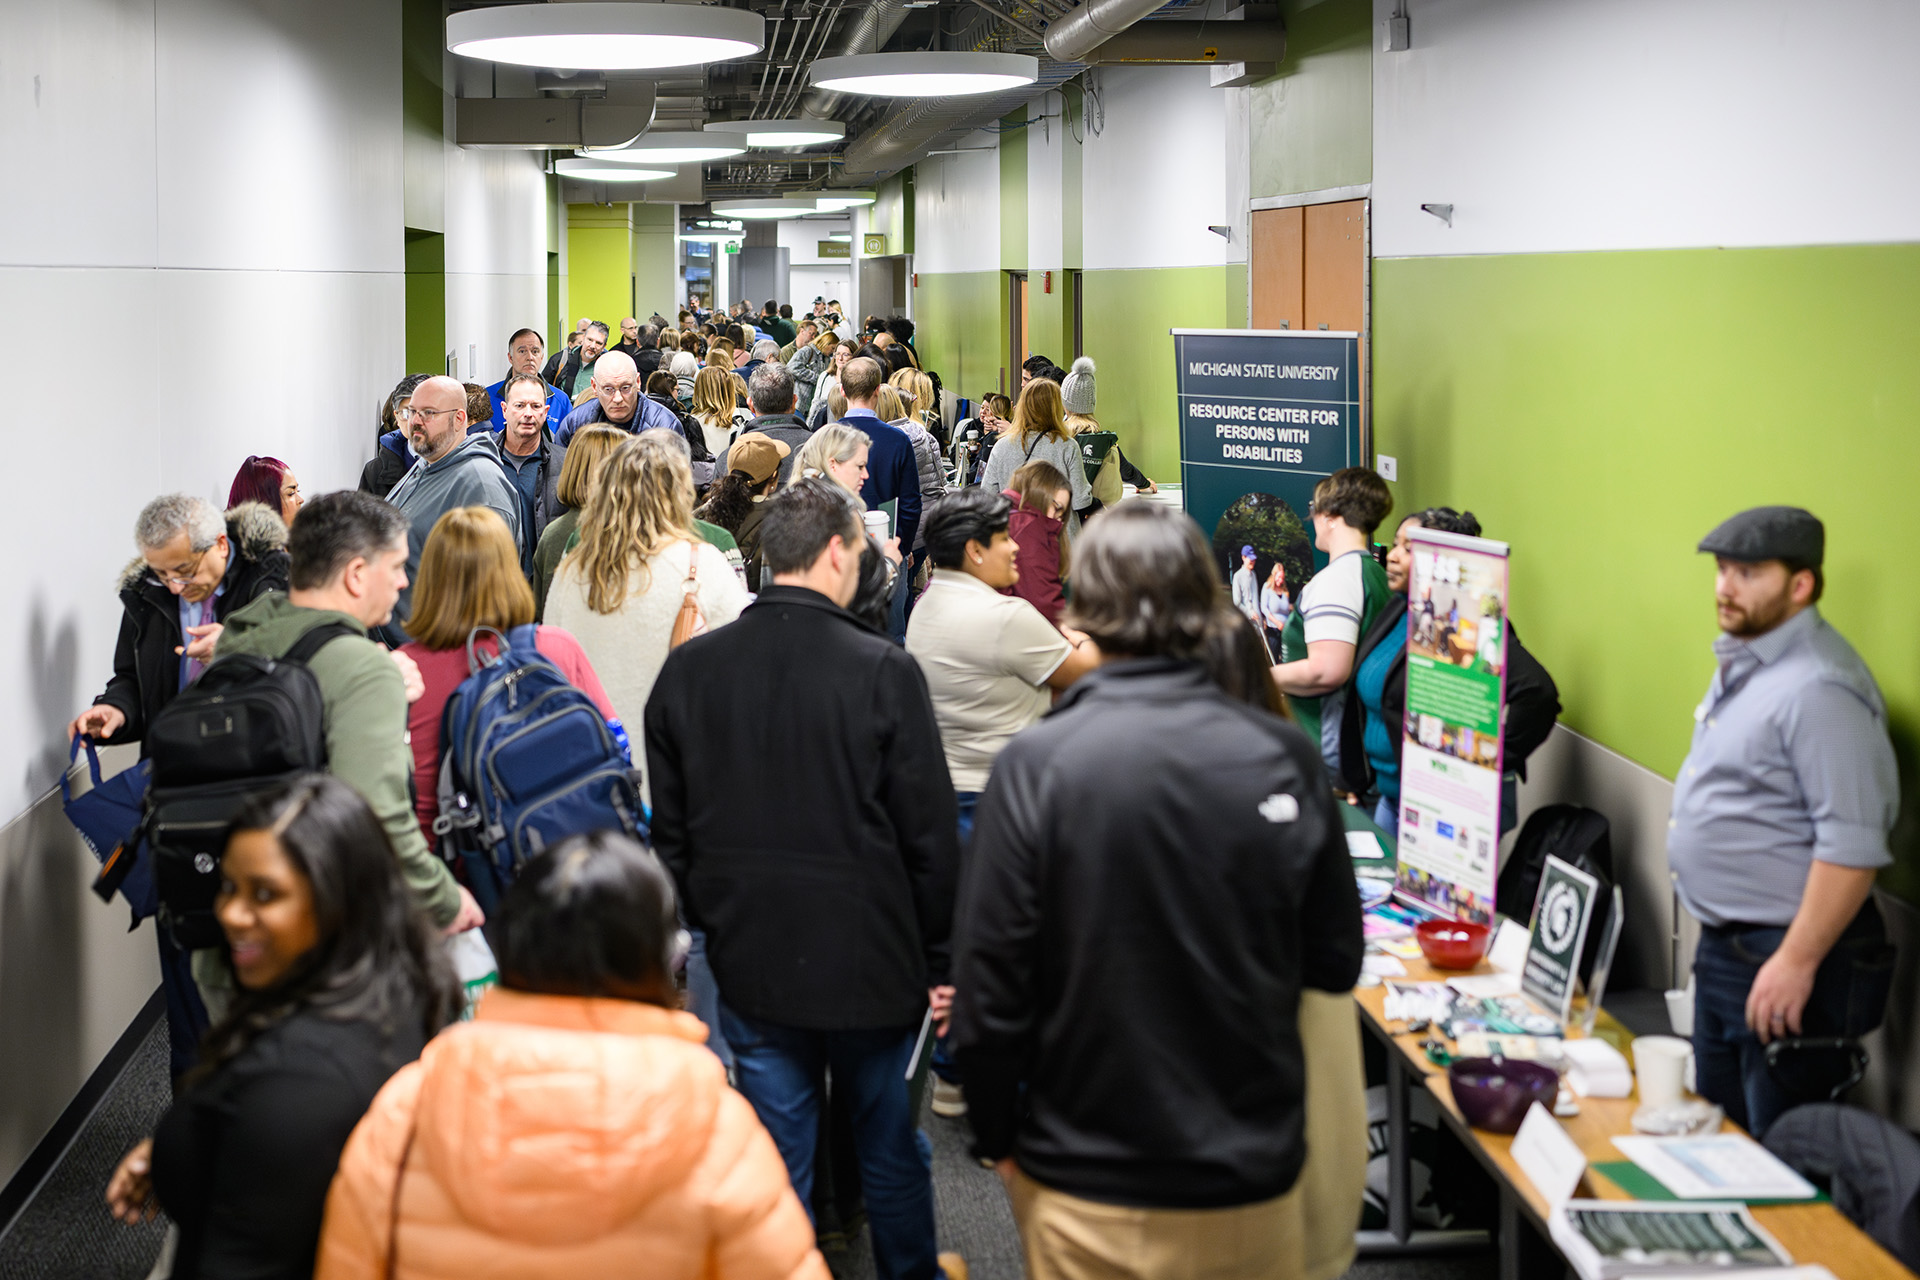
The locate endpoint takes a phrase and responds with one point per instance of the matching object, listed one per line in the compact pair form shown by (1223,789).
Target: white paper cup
(1659,1068)
(876,524)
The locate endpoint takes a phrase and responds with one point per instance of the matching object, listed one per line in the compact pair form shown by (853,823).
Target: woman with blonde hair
(836,451)
(714,394)
(469,578)
(1039,433)
(620,590)
(902,402)
(585,454)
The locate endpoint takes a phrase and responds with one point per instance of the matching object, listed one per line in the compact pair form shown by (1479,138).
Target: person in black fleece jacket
(1134,928)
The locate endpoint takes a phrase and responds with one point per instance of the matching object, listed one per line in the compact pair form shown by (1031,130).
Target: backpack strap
(315,640)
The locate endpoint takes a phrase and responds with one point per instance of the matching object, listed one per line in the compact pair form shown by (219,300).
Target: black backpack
(1576,835)
(246,724)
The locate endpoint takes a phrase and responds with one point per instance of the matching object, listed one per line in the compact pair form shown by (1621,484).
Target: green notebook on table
(1641,1185)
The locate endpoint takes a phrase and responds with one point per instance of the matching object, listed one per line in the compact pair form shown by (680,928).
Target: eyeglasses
(620,390)
(415,411)
(174,579)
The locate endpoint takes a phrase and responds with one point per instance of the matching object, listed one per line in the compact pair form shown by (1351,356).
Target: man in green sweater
(349,553)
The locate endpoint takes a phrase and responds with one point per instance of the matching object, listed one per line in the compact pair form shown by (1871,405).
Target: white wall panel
(1154,176)
(1642,124)
(496,222)
(956,223)
(1046,247)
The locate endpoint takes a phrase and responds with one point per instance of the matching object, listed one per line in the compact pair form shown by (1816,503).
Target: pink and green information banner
(1451,755)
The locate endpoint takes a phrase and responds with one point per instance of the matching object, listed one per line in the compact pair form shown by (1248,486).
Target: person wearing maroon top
(1041,498)
(470,577)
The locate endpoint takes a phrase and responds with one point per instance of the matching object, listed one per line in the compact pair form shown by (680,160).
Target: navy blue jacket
(649,415)
(892,470)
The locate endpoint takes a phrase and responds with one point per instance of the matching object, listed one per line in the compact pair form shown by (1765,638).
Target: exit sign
(733,246)
(875,245)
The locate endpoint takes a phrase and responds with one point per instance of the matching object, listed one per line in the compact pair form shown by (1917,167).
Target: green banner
(1463,697)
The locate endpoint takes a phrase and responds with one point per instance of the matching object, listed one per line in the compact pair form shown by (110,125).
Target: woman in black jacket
(341,982)
(1374,718)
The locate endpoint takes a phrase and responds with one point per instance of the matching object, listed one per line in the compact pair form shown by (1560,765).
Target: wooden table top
(1812,1233)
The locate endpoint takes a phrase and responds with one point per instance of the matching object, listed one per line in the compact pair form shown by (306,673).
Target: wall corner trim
(1328,195)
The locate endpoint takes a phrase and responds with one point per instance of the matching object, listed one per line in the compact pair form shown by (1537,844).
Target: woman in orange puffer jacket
(576,1127)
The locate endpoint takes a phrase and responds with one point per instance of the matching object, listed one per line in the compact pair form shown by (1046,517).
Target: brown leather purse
(690,621)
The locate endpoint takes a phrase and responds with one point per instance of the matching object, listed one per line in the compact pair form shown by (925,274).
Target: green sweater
(1293,641)
(366,713)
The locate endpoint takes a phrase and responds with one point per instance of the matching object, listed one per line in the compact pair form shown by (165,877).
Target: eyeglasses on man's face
(182,577)
(413,411)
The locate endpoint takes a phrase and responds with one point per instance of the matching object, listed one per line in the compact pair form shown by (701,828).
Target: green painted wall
(1013,194)
(960,331)
(1602,411)
(1313,121)
(1127,315)
(426,296)
(599,263)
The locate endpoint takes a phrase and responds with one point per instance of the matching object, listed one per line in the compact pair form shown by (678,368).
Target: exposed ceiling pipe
(868,32)
(1083,30)
(1179,43)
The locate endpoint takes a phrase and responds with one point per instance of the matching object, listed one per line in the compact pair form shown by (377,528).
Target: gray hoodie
(471,476)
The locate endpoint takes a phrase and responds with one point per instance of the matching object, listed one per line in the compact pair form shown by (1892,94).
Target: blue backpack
(526,760)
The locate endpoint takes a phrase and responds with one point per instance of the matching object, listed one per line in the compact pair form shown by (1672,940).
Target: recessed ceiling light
(764,207)
(773,134)
(841,238)
(681,146)
(829,201)
(594,171)
(606,35)
(932,74)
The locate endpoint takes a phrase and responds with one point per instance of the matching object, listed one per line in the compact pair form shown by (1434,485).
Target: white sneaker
(948,1101)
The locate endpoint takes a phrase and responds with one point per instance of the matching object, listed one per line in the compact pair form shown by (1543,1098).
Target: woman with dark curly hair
(341,982)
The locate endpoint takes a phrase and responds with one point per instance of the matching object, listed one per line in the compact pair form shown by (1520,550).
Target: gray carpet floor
(65,1233)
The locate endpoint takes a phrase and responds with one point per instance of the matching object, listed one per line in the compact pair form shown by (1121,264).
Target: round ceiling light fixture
(833,201)
(764,207)
(594,171)
(606,35)
(680,146)
(932,74)
(768,135)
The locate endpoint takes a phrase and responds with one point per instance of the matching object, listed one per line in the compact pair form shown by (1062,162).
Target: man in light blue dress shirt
(1780,820)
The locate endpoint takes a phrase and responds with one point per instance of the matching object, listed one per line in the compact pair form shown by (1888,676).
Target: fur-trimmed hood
(254,530)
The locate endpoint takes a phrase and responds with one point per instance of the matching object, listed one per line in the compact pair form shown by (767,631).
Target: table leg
(1399,1152)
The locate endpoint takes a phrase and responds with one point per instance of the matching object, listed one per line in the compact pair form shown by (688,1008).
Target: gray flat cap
(1770,533)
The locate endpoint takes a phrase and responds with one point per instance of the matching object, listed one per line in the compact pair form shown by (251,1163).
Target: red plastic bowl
(1495,1093)
(1452,944)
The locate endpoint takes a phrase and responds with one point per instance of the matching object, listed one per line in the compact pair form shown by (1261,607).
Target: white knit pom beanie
(1076,390)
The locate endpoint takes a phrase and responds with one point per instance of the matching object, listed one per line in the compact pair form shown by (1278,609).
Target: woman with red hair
(269,482)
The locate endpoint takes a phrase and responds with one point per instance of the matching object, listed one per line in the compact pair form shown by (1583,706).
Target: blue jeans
(703,997)
(781,1071)
(1730,1064)
(1386,816)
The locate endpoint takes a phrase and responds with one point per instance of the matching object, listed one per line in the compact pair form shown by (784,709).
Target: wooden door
(1278,268)
(1334,276)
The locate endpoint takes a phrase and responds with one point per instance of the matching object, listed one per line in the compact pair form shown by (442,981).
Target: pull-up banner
(1265,415)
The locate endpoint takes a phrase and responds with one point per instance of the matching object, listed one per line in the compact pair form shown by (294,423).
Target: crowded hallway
(963,640)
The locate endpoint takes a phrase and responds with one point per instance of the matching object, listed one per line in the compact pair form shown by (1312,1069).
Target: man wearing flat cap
(1780,819)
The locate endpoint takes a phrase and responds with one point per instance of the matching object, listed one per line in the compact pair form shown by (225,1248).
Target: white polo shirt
(987,658)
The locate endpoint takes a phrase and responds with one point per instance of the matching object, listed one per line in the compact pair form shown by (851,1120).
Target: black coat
(243,1161)
(1533,700)
(146,670)
(802,802)
(1156,871)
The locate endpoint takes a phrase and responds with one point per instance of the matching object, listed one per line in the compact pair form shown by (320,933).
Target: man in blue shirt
(892,472)
(524,352)
(1781,815)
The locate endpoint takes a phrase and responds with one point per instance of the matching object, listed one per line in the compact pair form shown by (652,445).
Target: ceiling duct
(537,124)
(868,32)
(1089,25)
(907,133)
(1182,43)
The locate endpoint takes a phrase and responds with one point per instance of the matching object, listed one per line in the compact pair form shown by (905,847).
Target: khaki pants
(1067,1238)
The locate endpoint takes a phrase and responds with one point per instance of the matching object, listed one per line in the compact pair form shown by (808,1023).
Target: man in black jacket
(194,569)
(825,889)
(1134,930)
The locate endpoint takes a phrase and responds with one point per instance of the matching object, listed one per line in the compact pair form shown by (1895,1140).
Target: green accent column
(1312,123)
(424,183)
(426,301)
(599,263)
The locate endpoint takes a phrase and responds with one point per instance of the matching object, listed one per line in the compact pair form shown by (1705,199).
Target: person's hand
(1005,1167)
(1074,638)
(130,1190)
(409,675)
(1151,488)
(891,549)
(940,1000)
(204,638)
(97,721)
(470,916)
(1779,995)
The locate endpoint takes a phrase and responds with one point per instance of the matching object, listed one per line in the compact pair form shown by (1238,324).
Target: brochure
(1604,1239)
(1716,1166)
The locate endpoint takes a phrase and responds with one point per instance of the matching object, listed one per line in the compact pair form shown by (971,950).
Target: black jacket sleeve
(918,794)
(276,1158)
(1533,703)
(667,783)
(123,691)
(997,956)
(1331,942)
(1130,473)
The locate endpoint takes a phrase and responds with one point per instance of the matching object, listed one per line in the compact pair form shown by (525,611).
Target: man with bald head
(451,469)
(639,343)
(620,399)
